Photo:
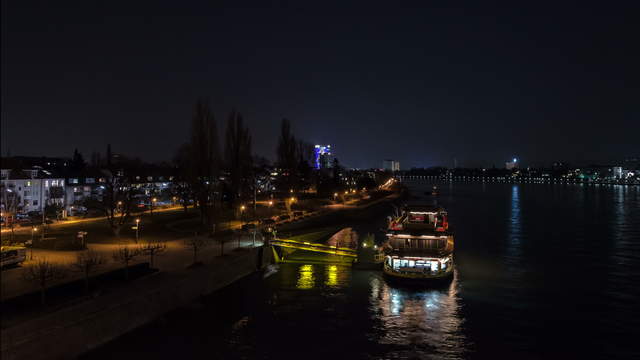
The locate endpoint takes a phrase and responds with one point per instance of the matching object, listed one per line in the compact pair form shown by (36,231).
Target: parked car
(23,216)
(284,217)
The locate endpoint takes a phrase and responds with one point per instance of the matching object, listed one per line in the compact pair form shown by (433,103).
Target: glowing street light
(153,202)
(137,229)
(33,230)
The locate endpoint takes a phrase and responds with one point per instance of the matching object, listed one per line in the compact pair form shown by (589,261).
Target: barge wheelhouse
(419,245)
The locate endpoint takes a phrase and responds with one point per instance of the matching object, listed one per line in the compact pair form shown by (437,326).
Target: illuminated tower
(323,157)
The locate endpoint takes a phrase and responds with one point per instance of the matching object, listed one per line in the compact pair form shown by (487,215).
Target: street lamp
(153,201)
(335,196)
(33,230)
(137,229)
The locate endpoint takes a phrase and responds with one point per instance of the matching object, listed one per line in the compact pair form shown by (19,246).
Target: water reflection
(306,278)
(426,319)
(331,275)
(514,235)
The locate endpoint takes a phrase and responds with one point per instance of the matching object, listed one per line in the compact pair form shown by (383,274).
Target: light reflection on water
(426,321)
(514,234)
(306,279)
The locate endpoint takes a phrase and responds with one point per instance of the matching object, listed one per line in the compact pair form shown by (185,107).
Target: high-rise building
(391,165)
(510,165)
(323,157)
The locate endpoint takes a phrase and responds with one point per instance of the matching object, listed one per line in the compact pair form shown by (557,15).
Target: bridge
(288,246)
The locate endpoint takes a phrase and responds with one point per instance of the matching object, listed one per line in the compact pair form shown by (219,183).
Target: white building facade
(24,195)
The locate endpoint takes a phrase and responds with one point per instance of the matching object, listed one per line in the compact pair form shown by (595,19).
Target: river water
(543,271)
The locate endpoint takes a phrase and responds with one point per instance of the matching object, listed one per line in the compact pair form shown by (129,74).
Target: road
(63,223)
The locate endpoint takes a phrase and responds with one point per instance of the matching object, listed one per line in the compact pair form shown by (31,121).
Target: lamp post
(137,229)
(34,229)
(242,207)
(153,201)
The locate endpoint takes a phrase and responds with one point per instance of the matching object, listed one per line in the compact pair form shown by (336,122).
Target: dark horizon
(419,85)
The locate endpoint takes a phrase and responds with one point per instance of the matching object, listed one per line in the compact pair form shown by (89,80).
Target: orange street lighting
(242,208)
(154,199)
(270,203)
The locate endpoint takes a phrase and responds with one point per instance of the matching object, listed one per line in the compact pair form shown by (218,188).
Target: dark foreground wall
(74,330)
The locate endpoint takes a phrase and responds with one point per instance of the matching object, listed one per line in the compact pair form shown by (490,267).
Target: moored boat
(419,245)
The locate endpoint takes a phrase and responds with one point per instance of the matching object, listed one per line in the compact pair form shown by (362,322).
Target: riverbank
(74,330)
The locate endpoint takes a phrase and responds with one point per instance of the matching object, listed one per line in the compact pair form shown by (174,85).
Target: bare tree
(203,156)
(196,244)
(125,254)
(116,202)
(237,155)
(153,249)
(287,153)
(86,263)
(43,273)
(11,202)
(181,184)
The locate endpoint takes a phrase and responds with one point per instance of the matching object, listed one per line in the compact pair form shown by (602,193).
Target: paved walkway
(177,256)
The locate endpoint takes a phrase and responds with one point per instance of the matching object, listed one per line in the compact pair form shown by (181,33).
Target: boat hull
(408,277)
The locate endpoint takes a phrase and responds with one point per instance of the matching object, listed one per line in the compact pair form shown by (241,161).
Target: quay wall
(74,330)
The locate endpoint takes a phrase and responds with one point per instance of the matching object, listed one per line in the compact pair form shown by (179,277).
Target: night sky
(474,82)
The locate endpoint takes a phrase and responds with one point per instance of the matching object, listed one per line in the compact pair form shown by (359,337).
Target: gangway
(292,245)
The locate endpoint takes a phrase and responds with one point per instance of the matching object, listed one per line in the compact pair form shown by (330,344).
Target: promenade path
(177,256)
